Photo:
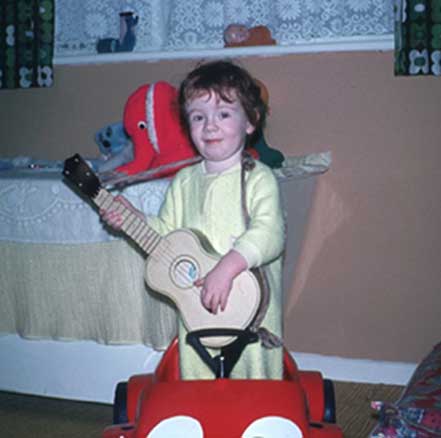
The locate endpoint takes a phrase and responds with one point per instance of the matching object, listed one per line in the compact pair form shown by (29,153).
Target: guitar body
(181,258)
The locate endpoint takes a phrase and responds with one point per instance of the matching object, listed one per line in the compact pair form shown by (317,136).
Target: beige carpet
(36,417)
(353,410)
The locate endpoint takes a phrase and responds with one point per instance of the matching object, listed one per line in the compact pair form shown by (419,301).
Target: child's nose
(210,124)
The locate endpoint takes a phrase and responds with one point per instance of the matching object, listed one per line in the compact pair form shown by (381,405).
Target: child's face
(218,127)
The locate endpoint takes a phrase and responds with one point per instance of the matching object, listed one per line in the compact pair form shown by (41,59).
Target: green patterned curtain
(26,43)
(417,37)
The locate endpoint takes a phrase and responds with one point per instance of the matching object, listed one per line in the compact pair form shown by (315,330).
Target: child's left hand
(217,284)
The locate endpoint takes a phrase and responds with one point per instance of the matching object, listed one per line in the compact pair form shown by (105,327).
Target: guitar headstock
(78,172)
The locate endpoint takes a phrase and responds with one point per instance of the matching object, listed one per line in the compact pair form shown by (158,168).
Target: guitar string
(164,253)
(151,238)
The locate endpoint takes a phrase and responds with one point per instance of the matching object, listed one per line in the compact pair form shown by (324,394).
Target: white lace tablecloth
(66,277)
(37,206)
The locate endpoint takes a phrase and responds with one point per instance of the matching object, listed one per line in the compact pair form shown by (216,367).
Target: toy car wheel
(120,404)
(329,413)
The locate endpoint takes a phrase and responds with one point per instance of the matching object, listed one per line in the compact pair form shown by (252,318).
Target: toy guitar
(175,262)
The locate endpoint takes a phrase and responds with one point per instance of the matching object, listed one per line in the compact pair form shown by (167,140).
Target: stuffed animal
(258,145)
(151,120)
(239,35)
(266,154)
(115,147)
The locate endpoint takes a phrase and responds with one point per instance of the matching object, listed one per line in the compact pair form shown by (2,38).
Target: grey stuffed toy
(115,147)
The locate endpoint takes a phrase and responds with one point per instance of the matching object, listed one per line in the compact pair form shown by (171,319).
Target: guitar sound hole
(185,272)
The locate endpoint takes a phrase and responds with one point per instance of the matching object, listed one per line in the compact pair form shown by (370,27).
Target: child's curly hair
(222,77)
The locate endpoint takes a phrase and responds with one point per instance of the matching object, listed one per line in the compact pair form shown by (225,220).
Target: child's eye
(224,115)
(196,118)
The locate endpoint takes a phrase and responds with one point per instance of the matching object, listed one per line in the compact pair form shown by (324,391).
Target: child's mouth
(212,140)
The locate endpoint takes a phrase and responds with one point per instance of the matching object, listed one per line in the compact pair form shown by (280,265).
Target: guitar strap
(267,338)
(224,362)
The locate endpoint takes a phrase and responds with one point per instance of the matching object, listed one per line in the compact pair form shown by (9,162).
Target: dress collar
(231,169)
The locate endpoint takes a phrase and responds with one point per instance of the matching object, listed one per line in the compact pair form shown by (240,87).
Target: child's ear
(250,128)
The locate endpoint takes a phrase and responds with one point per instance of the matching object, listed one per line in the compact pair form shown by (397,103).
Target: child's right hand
(216,285)
(113,216)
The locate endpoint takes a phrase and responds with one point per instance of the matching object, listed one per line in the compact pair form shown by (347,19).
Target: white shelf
(369,43)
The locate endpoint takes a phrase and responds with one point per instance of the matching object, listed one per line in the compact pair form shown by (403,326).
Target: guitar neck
(135,227)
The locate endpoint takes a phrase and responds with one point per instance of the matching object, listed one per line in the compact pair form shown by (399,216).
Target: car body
(161,405)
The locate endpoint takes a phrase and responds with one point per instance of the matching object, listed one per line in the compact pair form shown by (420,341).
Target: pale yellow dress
(211,204)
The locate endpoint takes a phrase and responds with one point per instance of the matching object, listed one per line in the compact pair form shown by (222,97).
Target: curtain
(80,27)
(173,25)
(417,37)
(26,43)
(200,23)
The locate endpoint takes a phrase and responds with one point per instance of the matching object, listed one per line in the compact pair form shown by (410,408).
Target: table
(66,277)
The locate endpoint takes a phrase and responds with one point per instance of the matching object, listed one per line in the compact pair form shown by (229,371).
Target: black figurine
(127,37)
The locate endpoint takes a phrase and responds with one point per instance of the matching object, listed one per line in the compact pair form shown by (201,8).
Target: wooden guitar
(175,261)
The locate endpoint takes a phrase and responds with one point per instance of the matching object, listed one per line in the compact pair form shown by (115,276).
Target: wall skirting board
(89,371)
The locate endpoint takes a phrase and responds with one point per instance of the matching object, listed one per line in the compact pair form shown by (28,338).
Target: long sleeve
(264,239)
(167,219)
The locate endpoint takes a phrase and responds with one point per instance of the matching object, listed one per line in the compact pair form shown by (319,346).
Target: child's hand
(217,284)
(216,288)
(113,215)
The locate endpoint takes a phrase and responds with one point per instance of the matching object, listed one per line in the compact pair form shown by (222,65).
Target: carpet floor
(23,416)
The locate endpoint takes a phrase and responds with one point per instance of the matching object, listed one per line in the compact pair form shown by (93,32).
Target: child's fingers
(223,302)
(199,282)
(205,300)
(209,301)
(112,217)
(125,202)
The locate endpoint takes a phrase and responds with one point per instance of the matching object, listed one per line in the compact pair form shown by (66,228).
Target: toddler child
(233,202)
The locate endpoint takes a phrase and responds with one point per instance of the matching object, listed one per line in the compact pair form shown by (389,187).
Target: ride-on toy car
(161,405)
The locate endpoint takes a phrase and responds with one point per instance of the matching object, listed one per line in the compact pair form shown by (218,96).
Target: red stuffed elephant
(151,119)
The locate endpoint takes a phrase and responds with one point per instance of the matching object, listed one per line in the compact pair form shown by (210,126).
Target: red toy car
(161,405)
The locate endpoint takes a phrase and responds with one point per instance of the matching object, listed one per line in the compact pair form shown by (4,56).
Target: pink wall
(368,283)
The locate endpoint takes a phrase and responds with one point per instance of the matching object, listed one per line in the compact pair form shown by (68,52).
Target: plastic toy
(239,35)
(161,405)
(127,38)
